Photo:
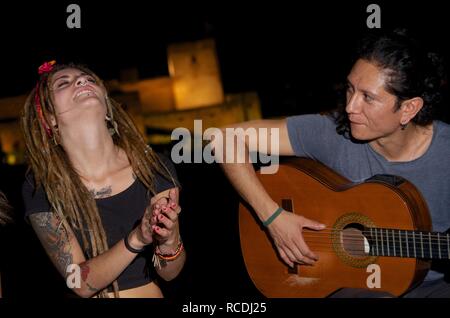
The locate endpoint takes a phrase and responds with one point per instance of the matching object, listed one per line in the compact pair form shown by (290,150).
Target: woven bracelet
(277,212)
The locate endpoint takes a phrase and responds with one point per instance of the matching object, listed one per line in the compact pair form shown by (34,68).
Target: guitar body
(310,189)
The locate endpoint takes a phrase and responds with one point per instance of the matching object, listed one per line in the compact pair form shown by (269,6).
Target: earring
(114,129)
(55,135)
(403,126)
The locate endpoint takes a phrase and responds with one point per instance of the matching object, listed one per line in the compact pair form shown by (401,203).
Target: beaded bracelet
(160,259)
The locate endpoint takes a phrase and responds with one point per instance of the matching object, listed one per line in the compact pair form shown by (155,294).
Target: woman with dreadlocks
(97,195)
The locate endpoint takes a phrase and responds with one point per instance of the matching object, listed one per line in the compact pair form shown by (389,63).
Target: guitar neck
(410,244)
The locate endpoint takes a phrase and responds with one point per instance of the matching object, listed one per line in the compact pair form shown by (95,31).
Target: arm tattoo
(102,193)
(55,239)
(84,276)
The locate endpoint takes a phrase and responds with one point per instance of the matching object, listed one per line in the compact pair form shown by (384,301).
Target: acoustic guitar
(379,227)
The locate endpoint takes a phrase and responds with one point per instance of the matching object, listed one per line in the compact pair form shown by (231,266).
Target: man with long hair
(387,126)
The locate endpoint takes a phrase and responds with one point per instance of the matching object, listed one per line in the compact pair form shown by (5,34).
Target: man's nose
(353,104)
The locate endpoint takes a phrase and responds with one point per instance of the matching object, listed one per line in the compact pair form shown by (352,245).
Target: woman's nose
(81,81)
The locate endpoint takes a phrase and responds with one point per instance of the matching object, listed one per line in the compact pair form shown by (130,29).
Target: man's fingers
(285,258)
(288,253)
(313,225)
(304,254)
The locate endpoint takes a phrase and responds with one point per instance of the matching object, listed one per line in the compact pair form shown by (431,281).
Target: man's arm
(286,229)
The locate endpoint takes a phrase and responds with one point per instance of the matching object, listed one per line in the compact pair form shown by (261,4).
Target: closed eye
(61,84)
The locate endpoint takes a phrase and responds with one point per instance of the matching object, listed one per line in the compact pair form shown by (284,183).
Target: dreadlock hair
(53,170)
(4,209)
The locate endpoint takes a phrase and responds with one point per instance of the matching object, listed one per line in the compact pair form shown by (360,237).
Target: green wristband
(267,222)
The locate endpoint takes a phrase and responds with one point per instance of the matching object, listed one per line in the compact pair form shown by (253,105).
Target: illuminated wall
(194,68)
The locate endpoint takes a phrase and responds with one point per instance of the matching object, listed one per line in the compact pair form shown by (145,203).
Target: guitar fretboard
(411,244)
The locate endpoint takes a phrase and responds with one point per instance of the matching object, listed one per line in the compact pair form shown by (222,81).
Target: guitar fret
(393,243)
(431,248)
(387,240)
(421,244)
(395,246)
(407,243)
(376,241)
(439,246)
(414,242)
(448,246)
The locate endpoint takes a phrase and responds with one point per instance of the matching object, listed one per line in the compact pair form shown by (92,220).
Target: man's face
(370,108)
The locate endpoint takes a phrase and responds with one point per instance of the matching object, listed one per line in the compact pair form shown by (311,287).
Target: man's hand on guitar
(286,231)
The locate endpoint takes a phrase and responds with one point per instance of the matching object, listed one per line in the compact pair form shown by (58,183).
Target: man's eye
(92,80)
(368,98)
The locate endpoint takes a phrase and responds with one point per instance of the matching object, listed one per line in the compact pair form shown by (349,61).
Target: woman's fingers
(171,211)
(161,232)
(174,195)
(168,223)
(173,200)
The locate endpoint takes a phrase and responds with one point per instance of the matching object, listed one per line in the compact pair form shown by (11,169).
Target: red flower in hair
(47,67)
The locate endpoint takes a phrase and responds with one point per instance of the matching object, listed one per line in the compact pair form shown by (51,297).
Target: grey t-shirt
(314,136)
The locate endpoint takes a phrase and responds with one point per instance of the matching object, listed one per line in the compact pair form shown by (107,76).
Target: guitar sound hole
(353,240)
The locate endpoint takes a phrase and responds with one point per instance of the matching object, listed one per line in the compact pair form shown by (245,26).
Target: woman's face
(76,94)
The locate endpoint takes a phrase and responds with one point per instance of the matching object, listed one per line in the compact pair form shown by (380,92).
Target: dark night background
(293,54)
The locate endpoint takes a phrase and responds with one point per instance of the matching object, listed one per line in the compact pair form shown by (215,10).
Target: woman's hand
(164,222)
(160,223)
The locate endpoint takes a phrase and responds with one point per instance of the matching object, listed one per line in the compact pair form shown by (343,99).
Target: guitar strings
(384,237)
(379,235)
(357,245)
(394,252)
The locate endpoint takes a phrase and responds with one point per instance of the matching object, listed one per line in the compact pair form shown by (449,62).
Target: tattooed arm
(63,249)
